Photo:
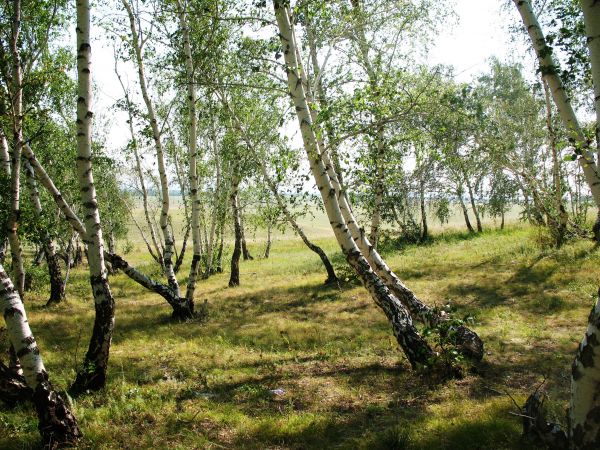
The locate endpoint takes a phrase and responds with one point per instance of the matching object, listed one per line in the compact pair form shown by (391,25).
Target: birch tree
(57,425)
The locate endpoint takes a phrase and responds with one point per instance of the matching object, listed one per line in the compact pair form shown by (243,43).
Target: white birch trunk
(95,366)
(416,349)
(160,158)
(584,410)
(549,69)
(57,424)
(17,128)
(468,341)
(192,153)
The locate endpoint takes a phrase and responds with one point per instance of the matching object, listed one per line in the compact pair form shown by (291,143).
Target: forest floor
(284,362)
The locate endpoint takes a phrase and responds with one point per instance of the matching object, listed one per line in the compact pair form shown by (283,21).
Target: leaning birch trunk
(234,277)
(92,376)
(179,305)
(57,424)
(192,153)
(17,127)
(331,276)
(416,349)
(473,205)
(57,287)
(550,73)
(245,252)
(156,134)
(467,341)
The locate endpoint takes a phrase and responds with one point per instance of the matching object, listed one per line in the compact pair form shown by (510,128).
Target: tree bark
(415,348)
(156,134)
(192,154)
(464,210)
(474,206)
(92,376)
(424,229)
(268,246)
(17,128)
(57,287)
(234,278)
(468,341)
(550,73)
(57,425)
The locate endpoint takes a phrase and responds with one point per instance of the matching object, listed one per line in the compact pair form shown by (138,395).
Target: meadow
(284,362)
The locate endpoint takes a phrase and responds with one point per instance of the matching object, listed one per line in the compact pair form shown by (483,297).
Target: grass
(284,362)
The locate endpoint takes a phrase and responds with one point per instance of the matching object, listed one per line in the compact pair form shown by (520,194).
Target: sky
(480,32)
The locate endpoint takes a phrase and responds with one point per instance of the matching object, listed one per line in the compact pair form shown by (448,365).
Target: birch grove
(231,124)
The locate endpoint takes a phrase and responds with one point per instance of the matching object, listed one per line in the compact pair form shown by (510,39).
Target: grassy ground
(344,383)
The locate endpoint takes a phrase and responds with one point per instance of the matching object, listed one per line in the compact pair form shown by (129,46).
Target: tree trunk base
(183,311)
(537,430)
(13,388)
(57,424)
(88,379)
(332,281)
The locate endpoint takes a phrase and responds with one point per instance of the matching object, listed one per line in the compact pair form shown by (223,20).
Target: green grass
(346,385)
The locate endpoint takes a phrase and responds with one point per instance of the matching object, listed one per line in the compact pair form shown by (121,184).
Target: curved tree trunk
(156,134)
(234,278)
(95,365)
(474,206)
(464,211)
(467,341)
(5,164)
(415,348)
(245,253)
(57,424)
(180,306)
(57,287)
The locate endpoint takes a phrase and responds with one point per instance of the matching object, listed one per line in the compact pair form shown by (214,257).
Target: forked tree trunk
(474,206)
(234,278)
(160,158)
(416,349)
(245,253)
(465,212)
(92,376)
(17,128)
(57,287)
(57,425)
(180,306)
(467,341)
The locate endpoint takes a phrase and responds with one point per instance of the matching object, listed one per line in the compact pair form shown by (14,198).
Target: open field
(344,383)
